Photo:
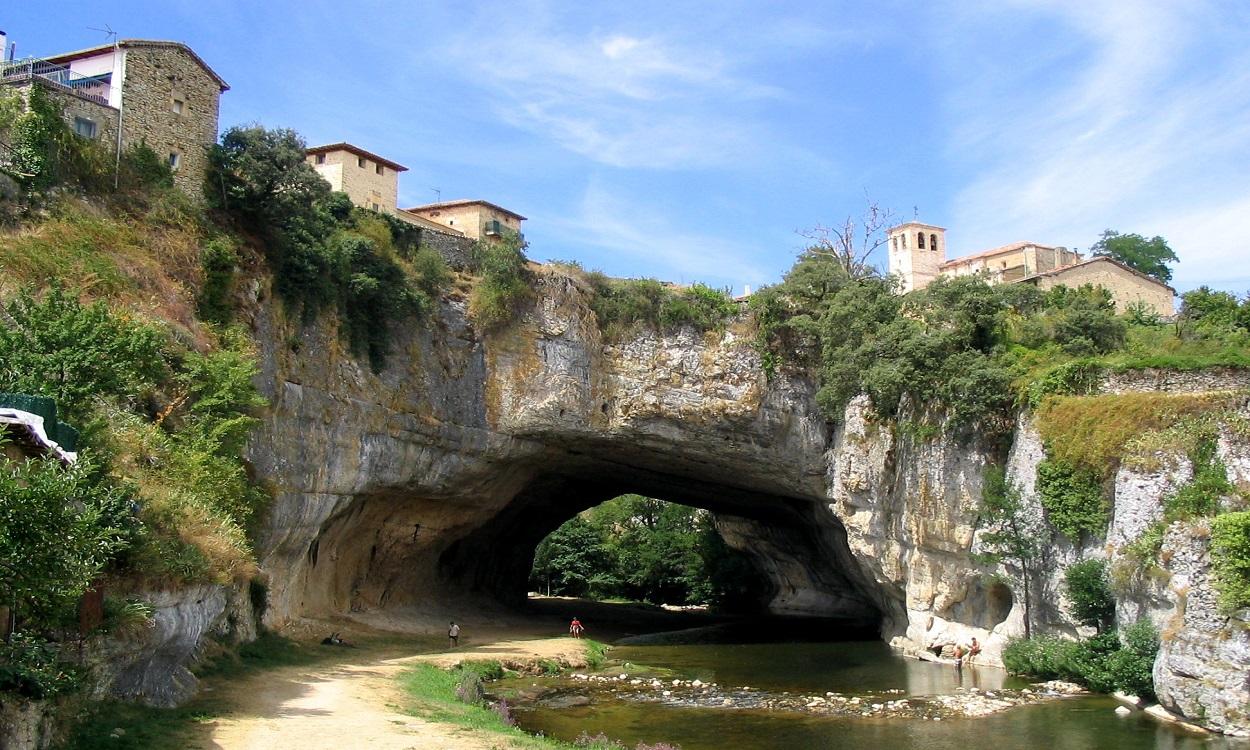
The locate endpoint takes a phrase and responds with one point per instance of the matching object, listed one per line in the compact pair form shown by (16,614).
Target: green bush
(76,353)
(1201,495)
(1105,663)
(504,283)
(31,667)
(1230,558)
(323,251)
(1073,499)
(59,527)
(219,260)
(1043,657)
(46,153)
(469,687)
(623,305)
(1089,592)
(1080,377)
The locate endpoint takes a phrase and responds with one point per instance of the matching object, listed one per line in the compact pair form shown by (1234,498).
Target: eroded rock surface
(436,478)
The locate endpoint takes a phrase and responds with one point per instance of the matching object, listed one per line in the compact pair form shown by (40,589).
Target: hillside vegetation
(120,295)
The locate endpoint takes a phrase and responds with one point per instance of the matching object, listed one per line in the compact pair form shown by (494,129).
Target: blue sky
(691,141)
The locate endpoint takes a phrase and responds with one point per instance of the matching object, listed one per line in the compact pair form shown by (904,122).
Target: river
(854,676)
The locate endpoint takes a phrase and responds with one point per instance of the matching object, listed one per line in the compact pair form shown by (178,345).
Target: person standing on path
(453,635)
(575,627)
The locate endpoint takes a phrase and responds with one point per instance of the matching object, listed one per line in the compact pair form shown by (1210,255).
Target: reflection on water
(1078,724)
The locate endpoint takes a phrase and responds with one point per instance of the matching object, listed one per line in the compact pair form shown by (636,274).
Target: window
(360,162)
(933,242)
(380,169)
(178,105)
(321,158)
(376,207)
(904,242)
(895,242)
(175,160)
(920,240)
(85,127)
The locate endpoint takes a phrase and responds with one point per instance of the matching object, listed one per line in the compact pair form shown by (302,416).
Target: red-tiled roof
(464,202)
(358,151)
(103,48)
(991,253)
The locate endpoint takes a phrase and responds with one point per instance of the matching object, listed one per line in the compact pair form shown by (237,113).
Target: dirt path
(359,704)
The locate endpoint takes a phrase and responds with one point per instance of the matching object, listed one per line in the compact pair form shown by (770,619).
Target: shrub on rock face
(1089,592)
(1230,556)
(1073,500)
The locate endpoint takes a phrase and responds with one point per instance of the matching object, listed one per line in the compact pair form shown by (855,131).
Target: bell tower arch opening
(918,262)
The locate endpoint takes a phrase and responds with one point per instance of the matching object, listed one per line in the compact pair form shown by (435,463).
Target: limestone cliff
(434,480)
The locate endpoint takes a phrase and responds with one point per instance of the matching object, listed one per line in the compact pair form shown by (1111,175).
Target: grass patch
(596,654)
(1092,432)
(142,728)
(433,691)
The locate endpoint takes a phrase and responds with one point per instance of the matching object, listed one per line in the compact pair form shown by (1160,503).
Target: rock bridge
(435,479)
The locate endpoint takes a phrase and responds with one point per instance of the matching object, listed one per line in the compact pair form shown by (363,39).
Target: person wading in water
(453,635)
(575,628)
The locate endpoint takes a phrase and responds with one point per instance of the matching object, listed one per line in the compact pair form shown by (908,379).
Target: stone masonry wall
(455,250)
(104,116)
(1126,287)
(155,77)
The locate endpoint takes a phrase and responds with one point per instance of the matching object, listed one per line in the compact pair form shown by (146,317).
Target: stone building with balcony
(476,219)
(917,256)
(159,93)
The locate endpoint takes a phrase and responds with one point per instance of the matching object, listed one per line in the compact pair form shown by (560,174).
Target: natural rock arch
(437,477)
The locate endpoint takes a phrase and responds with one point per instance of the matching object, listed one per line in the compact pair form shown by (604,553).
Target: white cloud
(620,99)
(636,235)
(1133,135)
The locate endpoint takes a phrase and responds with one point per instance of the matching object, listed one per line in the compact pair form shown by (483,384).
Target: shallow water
(850,668)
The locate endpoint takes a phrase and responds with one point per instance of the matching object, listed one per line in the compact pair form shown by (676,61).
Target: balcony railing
(494,228)
(92,88)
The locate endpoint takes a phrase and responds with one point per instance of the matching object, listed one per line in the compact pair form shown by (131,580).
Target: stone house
(1127,286)
(159,93)
(917,256)
(371,181)
(477,219)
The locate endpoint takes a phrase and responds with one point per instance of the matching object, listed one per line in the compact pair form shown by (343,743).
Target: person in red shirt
(575,628)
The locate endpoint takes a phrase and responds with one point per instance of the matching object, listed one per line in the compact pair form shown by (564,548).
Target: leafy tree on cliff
(59,526)
(1011,536)
(1150,256)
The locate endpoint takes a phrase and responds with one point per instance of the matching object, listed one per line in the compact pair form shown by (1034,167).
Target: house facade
(917,256)
(159,93)
(476,219)
(371,181)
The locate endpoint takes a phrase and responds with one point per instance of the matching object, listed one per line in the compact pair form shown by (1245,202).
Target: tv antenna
(107,31)
(438,195)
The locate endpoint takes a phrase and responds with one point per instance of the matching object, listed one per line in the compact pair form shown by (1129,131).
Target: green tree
(1073,499)
(75,353)
(569,558)
(1010,535)
(58,529)
(1150,256)
(1089,593)
(1209,310)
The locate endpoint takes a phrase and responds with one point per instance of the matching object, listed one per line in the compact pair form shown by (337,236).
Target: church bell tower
(917,252)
